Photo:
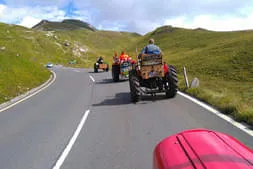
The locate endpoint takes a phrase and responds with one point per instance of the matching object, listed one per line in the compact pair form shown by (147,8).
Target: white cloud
(139,16)
(2,8)
(26,16)
(216,23)
(29,21)
(144,15)
(81,15)
(22,3)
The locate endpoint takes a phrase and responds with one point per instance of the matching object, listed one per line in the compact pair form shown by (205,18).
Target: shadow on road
(108,81)
(101,71)
(153,98)
(119,99)
(124,98)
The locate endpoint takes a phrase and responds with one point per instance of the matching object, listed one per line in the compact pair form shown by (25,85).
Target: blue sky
(139,16)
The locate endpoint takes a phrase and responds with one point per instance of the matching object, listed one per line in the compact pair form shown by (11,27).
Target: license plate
(152,74)
(125,64)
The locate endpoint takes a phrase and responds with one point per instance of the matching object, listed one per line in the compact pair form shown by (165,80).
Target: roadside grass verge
(18,76)
(222,61)
(228,97)
(19,71)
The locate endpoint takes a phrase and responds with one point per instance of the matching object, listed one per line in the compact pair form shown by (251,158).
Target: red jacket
(123,57)
(165,68)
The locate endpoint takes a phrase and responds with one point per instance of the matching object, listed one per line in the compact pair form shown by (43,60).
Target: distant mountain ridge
(67,24)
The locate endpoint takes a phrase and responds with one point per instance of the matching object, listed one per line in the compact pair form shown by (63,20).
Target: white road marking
(25,98)
(92,78)
(219,114)
(72,142)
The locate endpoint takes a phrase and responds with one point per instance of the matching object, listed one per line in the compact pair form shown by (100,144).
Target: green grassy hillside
(19,66)
(85,43)
(79,23)
(223,61)
(24,53)
(98,43)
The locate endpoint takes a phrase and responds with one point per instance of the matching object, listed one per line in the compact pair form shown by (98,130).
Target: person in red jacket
(123,56)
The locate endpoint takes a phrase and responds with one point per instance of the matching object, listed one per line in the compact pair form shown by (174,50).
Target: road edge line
(67,149)
(218,113)
(27,95)
(92,78)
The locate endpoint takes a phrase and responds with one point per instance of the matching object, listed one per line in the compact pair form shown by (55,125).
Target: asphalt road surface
(116,134)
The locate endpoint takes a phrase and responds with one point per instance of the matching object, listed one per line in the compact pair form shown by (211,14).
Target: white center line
(71,142)
(92,78)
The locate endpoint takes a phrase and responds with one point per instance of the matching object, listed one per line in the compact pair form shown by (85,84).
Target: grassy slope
(99,43)
(27,51)
(78,33)
(80,24)
(223,61)
(18,71)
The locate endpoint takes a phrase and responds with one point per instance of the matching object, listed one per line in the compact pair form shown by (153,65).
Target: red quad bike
(121,68)
(150,76)
(202,149)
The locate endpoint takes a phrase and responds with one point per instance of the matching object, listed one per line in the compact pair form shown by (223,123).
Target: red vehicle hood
(202,149)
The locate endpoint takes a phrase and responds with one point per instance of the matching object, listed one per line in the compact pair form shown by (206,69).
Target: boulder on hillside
(2,48)
(66,43)
(195,83)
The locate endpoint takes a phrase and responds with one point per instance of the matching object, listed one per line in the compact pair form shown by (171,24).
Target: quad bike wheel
(115,72)
(107,69)
(95,68)
(171,78)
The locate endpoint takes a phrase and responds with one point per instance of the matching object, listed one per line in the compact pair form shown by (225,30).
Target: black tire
(171,78)
(95,68)
(107,69)
(133,91)
(115,73)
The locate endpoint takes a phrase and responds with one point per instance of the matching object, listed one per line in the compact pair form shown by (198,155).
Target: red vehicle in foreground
(202,149)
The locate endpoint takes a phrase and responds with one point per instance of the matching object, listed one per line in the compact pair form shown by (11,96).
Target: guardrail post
(186,78)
